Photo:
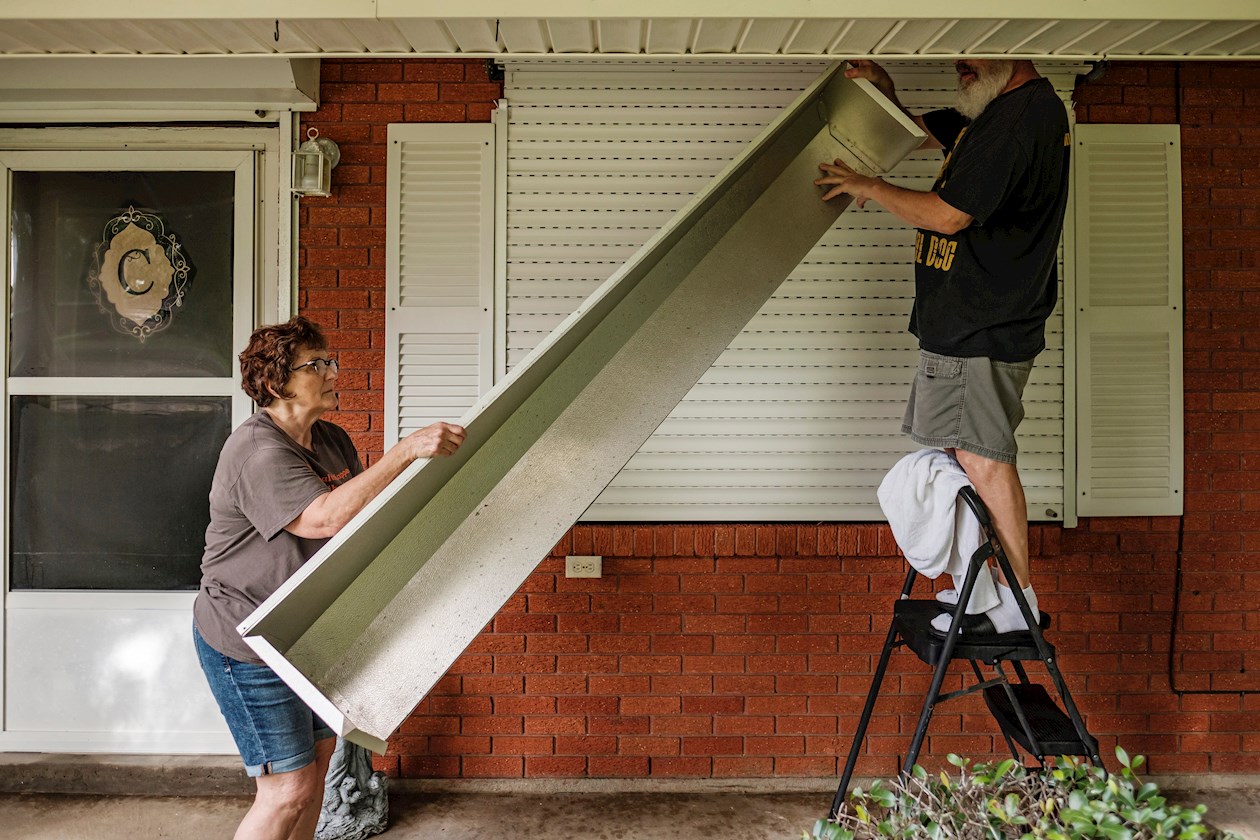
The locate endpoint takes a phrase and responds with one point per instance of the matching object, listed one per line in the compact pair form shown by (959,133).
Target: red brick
(647,745)
(648,583)
(544,766)
(684,644)
(1146,95)
(428,766)
(620,685)
(423,71)
(511,705)
(710,705)
(522,745)
(588,745)
(737,767)
(492,767)
(609,643)
(620,766)
(661,706)
(474,92)
(435,112)
(632,664)
(459,745)
(747,604)
(554,684)
(583,705)
(492,725)
(558,644)
(805,725)
(744,644)
(407,92)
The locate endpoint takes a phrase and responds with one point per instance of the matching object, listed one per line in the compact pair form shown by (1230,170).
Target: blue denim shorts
(274,730)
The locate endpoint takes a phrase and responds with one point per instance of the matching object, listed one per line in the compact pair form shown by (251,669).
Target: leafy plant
(1071,801)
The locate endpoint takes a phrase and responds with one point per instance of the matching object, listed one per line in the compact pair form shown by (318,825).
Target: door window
(127,296)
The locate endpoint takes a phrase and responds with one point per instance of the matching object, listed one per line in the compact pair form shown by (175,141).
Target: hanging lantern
(313,164)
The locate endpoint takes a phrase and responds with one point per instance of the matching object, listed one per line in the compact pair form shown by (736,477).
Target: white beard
(991,81)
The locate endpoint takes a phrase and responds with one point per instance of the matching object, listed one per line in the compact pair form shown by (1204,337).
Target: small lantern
(313,164)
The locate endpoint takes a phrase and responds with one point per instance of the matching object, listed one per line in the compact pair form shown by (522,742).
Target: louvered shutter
(1129,320)
(801,417)
(439,278)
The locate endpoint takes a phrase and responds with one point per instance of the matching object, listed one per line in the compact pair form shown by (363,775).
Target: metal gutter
(373,621)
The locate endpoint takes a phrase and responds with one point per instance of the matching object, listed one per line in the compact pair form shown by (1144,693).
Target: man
(985,277)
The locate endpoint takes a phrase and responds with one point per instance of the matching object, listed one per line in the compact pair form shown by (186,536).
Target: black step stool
(1025,712)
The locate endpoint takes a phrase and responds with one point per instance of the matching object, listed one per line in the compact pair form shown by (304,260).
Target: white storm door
(130,288)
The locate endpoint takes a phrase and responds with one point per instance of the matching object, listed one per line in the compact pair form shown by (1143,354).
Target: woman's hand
(433,441)
(330,512)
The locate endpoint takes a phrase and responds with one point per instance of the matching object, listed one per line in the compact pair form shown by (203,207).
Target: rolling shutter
(440,273)
(1129,320)
(800,418)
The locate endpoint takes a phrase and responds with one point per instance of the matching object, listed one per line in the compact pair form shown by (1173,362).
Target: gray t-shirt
(263,481)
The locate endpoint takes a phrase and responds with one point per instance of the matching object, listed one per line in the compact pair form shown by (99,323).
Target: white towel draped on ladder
(935,530)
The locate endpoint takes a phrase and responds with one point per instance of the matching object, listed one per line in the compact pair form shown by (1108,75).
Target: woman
(286,481)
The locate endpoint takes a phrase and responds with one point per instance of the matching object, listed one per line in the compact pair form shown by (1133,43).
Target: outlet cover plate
(583,566)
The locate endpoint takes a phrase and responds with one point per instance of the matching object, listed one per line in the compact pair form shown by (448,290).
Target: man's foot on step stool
(1006,617)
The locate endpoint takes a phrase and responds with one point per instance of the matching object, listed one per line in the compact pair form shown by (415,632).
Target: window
(125,309)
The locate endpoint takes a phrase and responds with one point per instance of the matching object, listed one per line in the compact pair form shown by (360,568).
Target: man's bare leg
(1000,489)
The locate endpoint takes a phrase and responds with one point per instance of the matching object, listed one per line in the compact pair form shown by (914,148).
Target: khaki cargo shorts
(974,404)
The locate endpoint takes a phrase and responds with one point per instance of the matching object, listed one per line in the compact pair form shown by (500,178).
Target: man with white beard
(985,279)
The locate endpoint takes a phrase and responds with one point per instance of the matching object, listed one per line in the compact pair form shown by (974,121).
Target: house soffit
(695,30)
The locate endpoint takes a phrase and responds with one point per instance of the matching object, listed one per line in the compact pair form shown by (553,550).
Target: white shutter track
(801,417)
(439,275)
(1128,204)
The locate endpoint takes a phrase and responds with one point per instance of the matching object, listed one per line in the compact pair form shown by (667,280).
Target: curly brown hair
(267,359)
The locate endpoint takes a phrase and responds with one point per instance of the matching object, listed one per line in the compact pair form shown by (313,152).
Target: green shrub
(1072,801)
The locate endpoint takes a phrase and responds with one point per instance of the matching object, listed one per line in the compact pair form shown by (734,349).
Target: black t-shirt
(988,289)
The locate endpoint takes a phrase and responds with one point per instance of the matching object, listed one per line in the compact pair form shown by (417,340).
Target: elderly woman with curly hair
(286,481)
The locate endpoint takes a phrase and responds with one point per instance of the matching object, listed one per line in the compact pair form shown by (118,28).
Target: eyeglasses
(320,366)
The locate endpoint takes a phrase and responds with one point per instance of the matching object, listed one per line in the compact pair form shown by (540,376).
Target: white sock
(949,597)
(1006,616)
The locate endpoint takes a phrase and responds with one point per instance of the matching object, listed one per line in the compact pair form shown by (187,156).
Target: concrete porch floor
(475,814)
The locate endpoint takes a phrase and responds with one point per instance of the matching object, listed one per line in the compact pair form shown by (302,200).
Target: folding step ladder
(1025,712)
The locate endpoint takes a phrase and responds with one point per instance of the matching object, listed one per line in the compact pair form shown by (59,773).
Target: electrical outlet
(583,566)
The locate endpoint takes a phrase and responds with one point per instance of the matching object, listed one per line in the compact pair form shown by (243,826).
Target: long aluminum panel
(366,628)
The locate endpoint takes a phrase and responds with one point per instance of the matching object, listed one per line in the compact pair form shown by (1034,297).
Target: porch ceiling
(1067,29)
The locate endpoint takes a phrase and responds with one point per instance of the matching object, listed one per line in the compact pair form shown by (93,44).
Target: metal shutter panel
(801,417)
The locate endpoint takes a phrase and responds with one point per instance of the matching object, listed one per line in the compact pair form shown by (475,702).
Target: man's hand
(874,74)
(433,441)
(925,210)
(844,181)
(879,77)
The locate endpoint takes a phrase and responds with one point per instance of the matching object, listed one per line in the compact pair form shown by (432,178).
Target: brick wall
(746,650)
(341,257)
(1217,644)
